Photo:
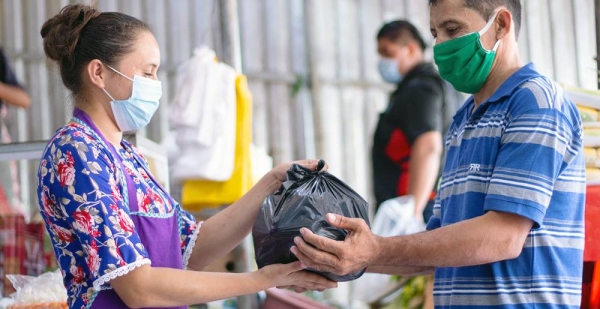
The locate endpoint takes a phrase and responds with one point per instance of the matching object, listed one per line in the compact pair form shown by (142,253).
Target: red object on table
(21,246)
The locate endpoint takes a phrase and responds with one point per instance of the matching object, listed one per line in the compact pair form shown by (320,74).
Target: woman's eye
(148,74)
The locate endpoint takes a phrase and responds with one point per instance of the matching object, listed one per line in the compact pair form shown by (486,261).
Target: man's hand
(359,249)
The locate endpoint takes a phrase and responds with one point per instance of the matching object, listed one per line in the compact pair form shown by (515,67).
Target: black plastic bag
(303,201)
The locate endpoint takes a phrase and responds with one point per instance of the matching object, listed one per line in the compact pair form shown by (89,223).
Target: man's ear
(413,47)
(96,72)
(503,24)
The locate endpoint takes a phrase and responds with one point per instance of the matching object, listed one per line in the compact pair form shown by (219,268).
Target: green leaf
(297,86)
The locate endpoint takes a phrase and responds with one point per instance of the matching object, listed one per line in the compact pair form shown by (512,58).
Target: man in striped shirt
(507,229)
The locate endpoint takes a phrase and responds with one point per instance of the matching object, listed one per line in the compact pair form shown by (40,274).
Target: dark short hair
(399,30)
(487,7)
(80,34)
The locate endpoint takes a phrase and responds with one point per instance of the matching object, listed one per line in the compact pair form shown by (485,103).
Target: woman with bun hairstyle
(121,241)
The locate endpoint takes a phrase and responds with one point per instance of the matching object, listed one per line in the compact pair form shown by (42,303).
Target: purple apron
(159,235)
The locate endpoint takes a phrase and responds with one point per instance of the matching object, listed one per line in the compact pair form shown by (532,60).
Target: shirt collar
(522,75)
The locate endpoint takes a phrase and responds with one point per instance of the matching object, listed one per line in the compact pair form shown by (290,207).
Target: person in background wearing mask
(120,239)
(508,223)
(407,145)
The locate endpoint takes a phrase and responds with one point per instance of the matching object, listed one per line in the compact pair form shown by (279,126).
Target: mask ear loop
(487,27)
(116,71)
(108,94)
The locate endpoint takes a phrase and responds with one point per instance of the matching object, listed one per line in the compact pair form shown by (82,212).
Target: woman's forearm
(139,288)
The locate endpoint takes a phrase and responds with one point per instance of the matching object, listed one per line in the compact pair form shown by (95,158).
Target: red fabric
(398,147)
(592,222)
(12,248)
(398,150)
(403,181)
(21,249)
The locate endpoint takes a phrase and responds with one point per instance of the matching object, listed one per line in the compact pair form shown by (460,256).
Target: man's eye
(148,74)
(452,31)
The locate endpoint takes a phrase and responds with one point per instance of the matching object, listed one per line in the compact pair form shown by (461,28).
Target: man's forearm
(401,270)
(489,238)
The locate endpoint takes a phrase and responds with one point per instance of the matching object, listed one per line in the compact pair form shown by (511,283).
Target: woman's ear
(504,24)
(96,72)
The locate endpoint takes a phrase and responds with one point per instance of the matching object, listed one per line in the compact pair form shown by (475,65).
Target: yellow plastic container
(199,194)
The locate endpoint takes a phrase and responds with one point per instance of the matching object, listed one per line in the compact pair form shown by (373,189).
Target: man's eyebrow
(448,22)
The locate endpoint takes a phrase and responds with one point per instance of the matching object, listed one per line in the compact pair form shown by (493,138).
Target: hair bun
(61,32)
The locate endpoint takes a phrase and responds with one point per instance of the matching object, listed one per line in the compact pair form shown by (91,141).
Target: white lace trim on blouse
(190,247)
(100,282)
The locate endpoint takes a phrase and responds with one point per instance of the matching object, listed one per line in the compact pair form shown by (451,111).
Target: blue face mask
(136,112)
(388,68)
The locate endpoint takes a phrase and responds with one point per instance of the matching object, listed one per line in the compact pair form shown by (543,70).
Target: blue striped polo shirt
(519,152)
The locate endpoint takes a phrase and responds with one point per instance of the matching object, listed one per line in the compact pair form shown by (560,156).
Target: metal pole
(232,55)
(597,10)
(230,26)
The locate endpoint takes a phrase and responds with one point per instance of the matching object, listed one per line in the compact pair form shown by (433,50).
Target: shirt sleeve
(424,113)
(435,221)
(188,230)
(535,149)
(87,218)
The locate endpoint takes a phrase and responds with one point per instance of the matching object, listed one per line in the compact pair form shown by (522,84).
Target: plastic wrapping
(46,289)
(303,201)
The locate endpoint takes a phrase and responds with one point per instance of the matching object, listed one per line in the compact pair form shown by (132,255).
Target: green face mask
(464,62)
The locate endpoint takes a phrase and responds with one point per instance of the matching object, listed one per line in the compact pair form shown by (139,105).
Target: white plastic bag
(46,288)
(395,217)
(203,116)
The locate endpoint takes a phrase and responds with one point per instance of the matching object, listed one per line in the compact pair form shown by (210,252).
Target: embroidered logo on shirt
(475,167)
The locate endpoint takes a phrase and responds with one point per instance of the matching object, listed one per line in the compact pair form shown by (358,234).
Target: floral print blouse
(88,218)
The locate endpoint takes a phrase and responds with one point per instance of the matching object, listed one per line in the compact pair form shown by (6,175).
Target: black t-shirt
(423,102)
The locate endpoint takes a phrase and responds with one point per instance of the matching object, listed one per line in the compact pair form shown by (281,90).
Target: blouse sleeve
(188,230)
(85,212)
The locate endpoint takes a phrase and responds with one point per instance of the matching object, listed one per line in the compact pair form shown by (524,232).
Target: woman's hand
(279,172)
(293,276)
